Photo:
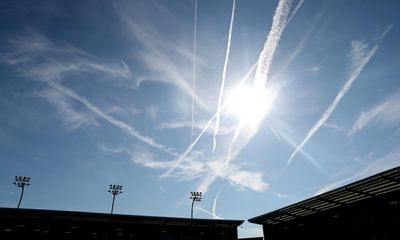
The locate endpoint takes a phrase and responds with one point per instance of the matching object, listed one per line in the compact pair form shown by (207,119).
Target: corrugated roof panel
(370,187)
(387,190)
(378,184)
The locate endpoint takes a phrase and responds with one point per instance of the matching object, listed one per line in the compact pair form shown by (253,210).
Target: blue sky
(142,93)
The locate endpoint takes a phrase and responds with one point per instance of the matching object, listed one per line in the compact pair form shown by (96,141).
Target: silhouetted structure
(114,190)
(49,224)
(196,197)
(253,238)
(366,209)
(21,182)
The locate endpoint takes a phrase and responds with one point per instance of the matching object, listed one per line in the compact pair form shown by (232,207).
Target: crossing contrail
(279,23)
(360,58)
(187,151)
(221,91)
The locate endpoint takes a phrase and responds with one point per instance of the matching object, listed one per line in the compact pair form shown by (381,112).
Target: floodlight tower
(196,197)
(21,182)
(114,190)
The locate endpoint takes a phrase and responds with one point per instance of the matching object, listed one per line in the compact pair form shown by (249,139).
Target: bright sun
(251,104)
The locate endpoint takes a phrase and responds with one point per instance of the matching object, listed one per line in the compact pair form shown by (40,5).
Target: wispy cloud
(51,61)
(72,118)
(41,60)
(333,127)
(360,56)
(386,112)
(157,49)
(194,167)
(280,195)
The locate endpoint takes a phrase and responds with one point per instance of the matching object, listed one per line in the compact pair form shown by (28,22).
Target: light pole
(114,190)
(21,182)
(196,197)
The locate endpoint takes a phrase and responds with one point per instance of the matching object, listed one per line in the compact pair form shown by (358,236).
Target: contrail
(187,151)
(359,59)
(194,66)
(221,91)
(209,213)
(214,210)
(305,154)
(235,137)
(300,47)
(121,125)
(279,23)
(274,132)
(295,10)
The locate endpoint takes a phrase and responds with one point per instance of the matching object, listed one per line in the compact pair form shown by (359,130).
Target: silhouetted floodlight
(114,190)
(196,197)
(21,182)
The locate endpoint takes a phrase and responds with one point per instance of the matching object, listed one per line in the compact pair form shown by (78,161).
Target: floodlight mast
(196,197)
(21,182)
(114,190)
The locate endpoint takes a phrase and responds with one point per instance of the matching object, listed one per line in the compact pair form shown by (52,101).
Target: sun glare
(251,104)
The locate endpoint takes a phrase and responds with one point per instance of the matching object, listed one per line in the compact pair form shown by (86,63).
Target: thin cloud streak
(295,10)
(221,91)
(214,210)
(274,132)
(194,68)
(223,130)
(300,46)
(359,58)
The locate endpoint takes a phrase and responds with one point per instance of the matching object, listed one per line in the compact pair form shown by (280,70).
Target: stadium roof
(371,187)
(10,213)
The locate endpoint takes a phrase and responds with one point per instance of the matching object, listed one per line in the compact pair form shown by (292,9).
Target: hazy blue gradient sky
(94,93)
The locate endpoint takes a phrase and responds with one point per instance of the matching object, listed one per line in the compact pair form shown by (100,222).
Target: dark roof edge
(125,216)
(259,219)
